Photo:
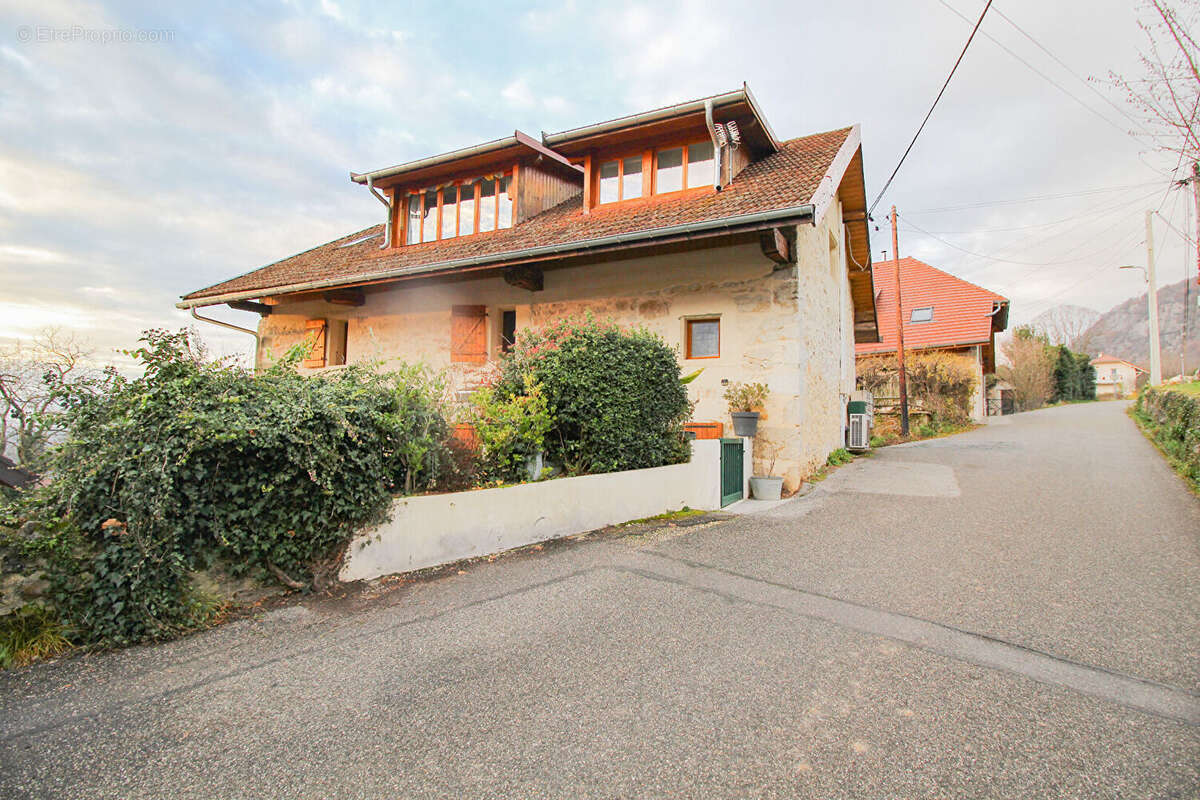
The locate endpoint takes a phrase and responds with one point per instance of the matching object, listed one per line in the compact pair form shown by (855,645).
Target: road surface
(1012,612)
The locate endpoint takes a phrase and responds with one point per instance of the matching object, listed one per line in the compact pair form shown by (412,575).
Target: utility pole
(900,330)
(1152,298)
(1196,196)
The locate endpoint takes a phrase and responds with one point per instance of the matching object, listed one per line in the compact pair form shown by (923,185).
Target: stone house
(941,312)
(1115,377)
(747,253)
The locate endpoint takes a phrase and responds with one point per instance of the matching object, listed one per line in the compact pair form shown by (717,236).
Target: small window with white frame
(921,314)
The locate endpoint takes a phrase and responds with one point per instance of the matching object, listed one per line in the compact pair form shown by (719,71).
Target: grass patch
(670,516)
(31,634)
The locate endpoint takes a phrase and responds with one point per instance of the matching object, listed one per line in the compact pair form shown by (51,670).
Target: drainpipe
(232,327)
(387,230)
(712,132)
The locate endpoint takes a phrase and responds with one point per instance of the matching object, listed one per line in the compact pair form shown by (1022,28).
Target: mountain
(1123,330)
(1065,324)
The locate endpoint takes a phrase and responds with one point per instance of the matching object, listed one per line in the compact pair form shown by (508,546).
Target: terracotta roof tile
(961,310)
(781,180)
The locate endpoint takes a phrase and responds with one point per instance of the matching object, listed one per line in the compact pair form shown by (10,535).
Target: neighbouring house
(1115,377)
(747,253)
(941,312)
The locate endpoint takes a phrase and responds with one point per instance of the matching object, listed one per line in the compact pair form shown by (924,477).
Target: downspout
(712,133)
(232,327)
(387,229)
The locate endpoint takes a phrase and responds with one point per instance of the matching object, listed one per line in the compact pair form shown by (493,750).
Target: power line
(1044,76)
(1075,75)
(1091,210)
(931,108)
(1035,198)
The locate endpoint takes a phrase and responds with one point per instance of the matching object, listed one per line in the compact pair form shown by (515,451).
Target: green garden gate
(732,477)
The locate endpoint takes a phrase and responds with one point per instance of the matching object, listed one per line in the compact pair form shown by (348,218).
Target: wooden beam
(250,305)
(774,245)
(524,277)
(345,297)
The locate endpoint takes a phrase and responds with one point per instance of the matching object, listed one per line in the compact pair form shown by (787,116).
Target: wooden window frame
(687,327)
(593,162)
(475,184)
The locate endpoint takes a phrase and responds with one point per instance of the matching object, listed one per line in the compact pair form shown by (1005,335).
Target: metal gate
(732,478)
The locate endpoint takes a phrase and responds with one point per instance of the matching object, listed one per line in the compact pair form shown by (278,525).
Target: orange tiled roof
(962,311)
(781,180)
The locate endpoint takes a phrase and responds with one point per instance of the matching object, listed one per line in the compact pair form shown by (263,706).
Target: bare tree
(1168,94)
(1066,324)
(27,373)
(1030,369)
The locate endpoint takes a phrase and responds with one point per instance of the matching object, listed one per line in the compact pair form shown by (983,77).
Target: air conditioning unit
(859,435)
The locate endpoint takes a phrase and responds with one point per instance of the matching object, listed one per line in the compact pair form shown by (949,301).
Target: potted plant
(745,405)
(767,487)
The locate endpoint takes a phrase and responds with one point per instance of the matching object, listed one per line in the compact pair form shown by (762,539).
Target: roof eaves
(518,138)
(803,211)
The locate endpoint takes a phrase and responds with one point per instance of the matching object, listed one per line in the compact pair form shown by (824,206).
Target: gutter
(228,325)
(517,139)
(802,212)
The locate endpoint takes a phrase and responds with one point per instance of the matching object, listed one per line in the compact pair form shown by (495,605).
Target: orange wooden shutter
(315,329)
(468,335)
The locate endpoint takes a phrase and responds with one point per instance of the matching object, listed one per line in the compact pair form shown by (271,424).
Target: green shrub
(839,457)
(1172,418)
(195,460)
(746,397)
(31,634)
(615,396)
(510,429)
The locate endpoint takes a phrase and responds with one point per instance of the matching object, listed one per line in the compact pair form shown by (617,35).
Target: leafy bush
(745,397)
(615,396)
(838,457)
(510,429)
(1172,418)
(195,460)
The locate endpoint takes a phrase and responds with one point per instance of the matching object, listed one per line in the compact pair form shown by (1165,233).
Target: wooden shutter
(315,330)
(468,335)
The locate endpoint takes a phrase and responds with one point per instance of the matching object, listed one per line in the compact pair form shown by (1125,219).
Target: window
(468,334)
(466,209)
(508,330)
(669,173)
(631,177)
(699,165)
(459,209)
(610,182)
(921,314)
(487,205)
(704,338)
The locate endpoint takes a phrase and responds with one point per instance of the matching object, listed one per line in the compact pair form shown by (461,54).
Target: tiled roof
(781,180)
(961,310)
(1105,358)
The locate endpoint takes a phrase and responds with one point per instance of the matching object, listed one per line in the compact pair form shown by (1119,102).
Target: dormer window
(663,171)
(461,208)
(621,179)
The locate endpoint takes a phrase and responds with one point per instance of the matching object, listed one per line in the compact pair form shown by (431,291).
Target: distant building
(1115,377)
(941,312)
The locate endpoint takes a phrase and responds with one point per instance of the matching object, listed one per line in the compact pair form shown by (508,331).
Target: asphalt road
(1013,612)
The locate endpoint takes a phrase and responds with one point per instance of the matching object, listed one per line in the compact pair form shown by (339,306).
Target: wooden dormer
(473,191)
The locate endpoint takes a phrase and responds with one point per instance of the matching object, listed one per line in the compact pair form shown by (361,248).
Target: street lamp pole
(1152,299)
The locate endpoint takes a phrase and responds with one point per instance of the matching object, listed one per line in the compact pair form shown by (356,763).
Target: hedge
(1171,416)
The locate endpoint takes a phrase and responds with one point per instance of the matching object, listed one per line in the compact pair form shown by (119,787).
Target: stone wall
(791,328)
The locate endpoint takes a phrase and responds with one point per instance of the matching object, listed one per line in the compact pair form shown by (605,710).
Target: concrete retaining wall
(437,529)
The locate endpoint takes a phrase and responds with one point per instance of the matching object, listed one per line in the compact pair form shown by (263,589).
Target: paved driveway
(1014,612)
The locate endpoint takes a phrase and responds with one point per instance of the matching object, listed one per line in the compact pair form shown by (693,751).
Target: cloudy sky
(198,143)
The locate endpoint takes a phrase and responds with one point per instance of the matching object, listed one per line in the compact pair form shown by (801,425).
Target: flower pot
(766,487)
(745,423)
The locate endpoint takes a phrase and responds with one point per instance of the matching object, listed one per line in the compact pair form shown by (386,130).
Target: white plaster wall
(429,530)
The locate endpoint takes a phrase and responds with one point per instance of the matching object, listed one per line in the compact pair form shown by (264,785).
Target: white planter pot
(766,487)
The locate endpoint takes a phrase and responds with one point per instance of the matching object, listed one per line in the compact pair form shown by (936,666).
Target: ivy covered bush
(510,428)
(198,460)
(614,396)
(1171,416)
